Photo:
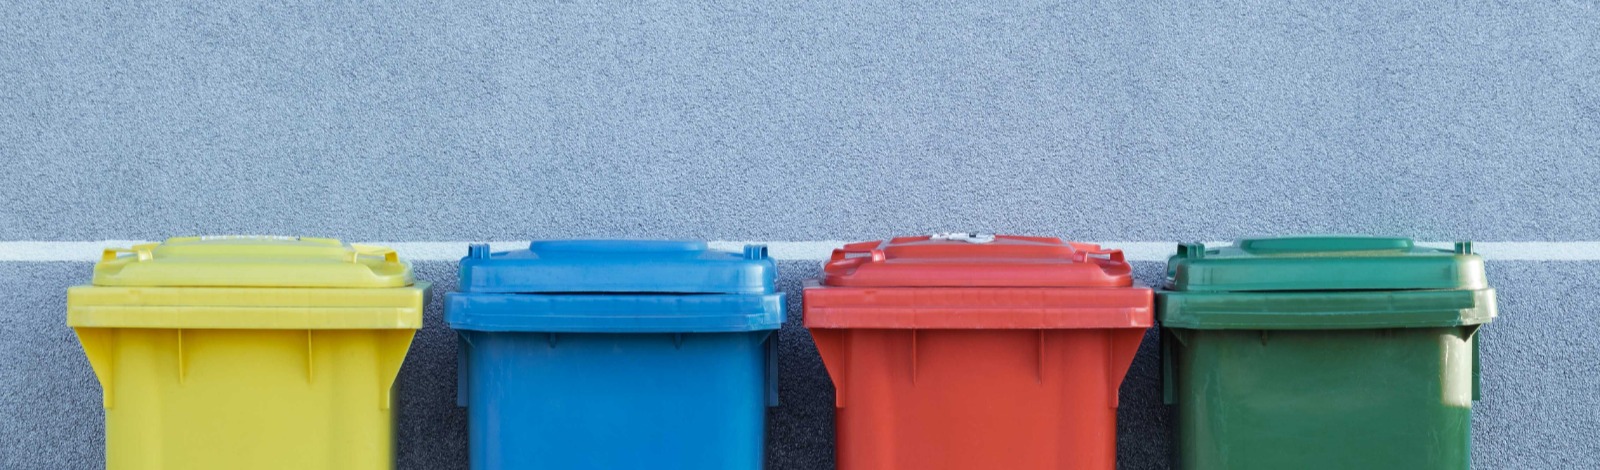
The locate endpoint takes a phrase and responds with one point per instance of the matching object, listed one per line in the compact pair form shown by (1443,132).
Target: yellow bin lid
(250,283)
(249,261)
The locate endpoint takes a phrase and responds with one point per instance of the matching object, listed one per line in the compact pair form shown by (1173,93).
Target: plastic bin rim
(460,314)
(1480,311)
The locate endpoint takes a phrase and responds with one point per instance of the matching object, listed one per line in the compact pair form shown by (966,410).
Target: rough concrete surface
(485,120)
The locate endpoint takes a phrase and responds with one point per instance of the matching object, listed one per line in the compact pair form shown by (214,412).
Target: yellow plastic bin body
(248,352)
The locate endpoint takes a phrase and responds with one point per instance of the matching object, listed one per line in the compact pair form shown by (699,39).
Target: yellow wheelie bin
(248,352)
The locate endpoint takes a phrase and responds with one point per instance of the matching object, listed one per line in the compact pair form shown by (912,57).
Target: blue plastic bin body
(616,355)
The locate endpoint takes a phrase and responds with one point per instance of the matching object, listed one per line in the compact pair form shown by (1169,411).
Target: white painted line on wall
(59,251)
(813,250)
(85,251)
(1539,251)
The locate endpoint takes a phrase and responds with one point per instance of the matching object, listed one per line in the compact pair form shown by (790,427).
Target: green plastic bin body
(1323,352)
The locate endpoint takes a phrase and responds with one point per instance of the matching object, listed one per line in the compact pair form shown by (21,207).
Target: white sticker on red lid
(963,237)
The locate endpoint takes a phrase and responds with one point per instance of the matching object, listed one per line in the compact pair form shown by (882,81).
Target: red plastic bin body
(1003,354)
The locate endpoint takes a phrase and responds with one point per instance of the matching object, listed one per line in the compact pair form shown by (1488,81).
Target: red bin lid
(976,260)
(971,281)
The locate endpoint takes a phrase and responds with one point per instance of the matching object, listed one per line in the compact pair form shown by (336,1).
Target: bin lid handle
(388,254)
(1113,255)
(144,252)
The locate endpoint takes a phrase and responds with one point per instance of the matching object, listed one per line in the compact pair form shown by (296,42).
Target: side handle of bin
(393,346)
(1477,376)
(1124,347)
(834,347)
(98,346)
(463,368)
(1169,393)
(772,369)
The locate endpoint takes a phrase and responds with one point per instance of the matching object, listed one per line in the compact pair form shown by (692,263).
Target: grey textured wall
(826,120)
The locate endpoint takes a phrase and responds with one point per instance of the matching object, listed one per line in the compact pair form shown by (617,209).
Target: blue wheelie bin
(613,354)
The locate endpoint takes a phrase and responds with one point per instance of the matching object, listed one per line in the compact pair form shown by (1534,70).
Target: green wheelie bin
(1323,353)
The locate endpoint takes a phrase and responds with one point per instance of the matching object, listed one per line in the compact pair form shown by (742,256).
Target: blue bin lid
(630,266)
(622,286)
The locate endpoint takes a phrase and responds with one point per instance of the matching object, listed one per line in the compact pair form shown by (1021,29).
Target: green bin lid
(1323,263)
(1324,282)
